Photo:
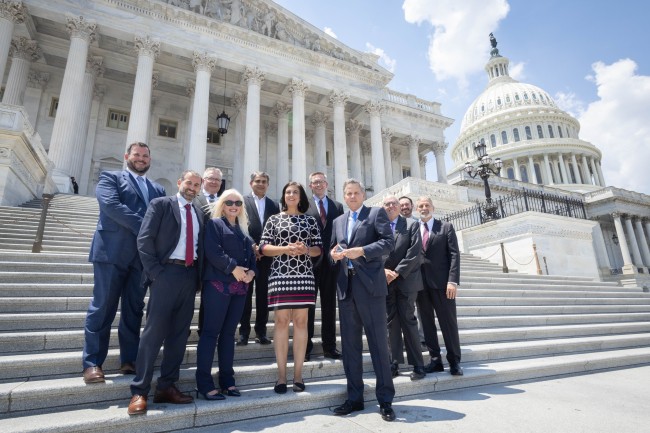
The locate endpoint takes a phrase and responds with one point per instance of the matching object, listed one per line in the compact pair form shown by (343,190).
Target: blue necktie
(143,187)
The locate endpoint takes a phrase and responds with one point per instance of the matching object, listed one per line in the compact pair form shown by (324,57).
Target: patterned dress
(291,281)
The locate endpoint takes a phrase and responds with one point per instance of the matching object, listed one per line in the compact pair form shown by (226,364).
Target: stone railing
(410,101)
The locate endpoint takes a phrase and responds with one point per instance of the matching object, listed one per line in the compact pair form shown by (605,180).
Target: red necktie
(323,215)
(189,237)
(425,237)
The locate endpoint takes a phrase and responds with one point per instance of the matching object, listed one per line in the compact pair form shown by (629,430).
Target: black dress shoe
(243,340)
(263,339)
(332,354)
(280,388)
(127,368)
(434,365)
(394,370)
(418,373)
(348,407)
(232,392)
(387,412)
(307,356)
(455,370)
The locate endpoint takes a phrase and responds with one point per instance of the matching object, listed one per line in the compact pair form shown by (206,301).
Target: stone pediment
(272,21)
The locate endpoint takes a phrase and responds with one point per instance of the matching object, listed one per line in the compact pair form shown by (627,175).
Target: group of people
(379,262)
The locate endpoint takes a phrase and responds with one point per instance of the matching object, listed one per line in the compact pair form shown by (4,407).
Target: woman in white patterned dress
(292,239)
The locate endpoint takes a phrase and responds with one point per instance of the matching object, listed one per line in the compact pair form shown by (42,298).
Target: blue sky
(593,56)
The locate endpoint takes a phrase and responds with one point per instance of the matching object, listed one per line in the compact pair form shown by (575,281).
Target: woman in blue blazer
(229,269)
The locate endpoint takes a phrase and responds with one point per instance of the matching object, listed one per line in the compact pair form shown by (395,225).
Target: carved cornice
(439,148)
(80,27)
(94,65)
(38,80)
(387,134)
(413,141)
(203,62)
(338,98)
(26,49)
(354,127)
(374,108)
(253,76)
(281,110)
(616,215)
(239,100)
(298,87)
(319,119)
(145,45)
(13,11)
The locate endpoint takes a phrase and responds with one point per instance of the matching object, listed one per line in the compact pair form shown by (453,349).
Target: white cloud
(516,71)
(384,59)
(617,123)
(330,32)
(459,42)
(570,103)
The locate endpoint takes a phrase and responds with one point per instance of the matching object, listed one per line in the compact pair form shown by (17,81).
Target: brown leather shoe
(93,375)
(138,405)
(172,395)
(127,368)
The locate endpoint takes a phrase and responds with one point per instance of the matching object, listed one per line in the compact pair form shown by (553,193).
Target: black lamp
(485,167)
(223,120)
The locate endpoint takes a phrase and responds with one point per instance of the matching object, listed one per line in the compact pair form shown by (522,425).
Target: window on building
(493,140)
(511,173)
(507,99)
(406,172)
(516,96)
(515,133)
(499,101)
(213,136)
(559,131)
(525,96)
(540,133)
(529,135)
(538,173)
(118,119)
(327,158)
(524,173)
(567,132)
(534,97)
(550,131)
(167,128)
(504,137)
(54,105)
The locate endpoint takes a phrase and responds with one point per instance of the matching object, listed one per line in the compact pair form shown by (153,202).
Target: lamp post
(485,168)
(223,120)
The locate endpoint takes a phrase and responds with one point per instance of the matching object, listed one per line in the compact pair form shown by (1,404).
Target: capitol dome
(521,124)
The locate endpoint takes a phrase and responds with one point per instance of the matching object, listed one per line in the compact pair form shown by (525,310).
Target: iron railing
(522,201)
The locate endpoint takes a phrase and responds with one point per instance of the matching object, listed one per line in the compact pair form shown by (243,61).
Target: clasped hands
(337,253)
(297,249)
(243,274)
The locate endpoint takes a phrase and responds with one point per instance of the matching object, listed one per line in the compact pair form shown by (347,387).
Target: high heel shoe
(211,397)
(231,392)
(298,386)
(280,388)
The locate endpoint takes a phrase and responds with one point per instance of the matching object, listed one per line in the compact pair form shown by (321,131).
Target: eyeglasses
(212,179)
(237,203)
(318,182)
(391,204)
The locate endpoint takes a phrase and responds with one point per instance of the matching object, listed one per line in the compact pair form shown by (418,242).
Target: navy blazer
(255,226)
(406,258)
(334,210)
(441,261)
(121,210)
(224,250)
(159,235)
(372,232)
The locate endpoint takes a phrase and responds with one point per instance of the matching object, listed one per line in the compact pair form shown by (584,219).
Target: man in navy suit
(361,238)
(170,243)
(213,186)
(325,210)
(123,198)
(440,276)
(259,209)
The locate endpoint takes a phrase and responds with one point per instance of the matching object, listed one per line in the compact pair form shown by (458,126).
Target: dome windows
(515,133)
(517,97)
(540,133)
(559,131)
(499,101)
(550,131)
(493,140)
(504,137)
(507,99)
(529,134)
(525,96)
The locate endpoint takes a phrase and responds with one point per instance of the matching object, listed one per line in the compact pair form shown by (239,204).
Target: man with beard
(123,198)
(170,244)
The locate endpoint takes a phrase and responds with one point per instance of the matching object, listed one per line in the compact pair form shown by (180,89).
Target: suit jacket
(334,210)
(372,232)
(255,226)
(121,210)
(226,250)
(159,235)
(441,261)
(406,258)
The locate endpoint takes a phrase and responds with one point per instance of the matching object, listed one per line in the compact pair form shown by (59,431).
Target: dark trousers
(326,286)
(261,301)
(400,309)
(430,301)
(221,315)
(360,312)
(169,315)
(112,284)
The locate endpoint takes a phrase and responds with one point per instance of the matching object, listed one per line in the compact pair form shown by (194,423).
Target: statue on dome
(493,42)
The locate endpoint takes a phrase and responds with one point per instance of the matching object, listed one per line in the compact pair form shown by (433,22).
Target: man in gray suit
(212,186)
(402,269)
(361,238)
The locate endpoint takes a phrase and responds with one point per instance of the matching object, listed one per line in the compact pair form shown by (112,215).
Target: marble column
(338,98)
(366,155)
(254,78)
(147,49)
(270,151)
(94,69)
(82,32)
(36,82)
(374,110)
(386,137)
(86,182)
(585,171)
(281,111)
(641,240)
(413,144)
(532,176)
(515,165)
(319,119)
(636,254)
(600,173)
(628,267)
(595,172)
(565,175)
(240,178)
(354,129)
(23,52)
(576,168)
(190,87)
(298,88)
(423,165)
(549,173)
(439,148)
(396,164)
(203,64)
(11,13)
